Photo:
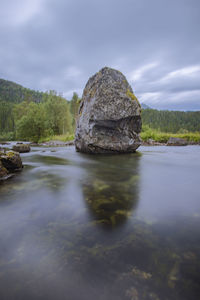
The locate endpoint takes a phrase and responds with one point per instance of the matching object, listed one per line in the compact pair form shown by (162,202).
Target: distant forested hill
(171,121)
(25,113)
(15,93)
(12,93)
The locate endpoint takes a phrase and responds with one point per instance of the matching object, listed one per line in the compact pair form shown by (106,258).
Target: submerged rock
(109,115)
(176,142)
(21,148)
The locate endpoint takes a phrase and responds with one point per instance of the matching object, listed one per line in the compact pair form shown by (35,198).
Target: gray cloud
(49,44)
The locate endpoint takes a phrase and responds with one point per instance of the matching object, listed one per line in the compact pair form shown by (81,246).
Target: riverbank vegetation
(162,137)
(146,134)
(61,138)
(52,117)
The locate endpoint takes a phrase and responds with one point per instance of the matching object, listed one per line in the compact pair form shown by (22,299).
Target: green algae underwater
(76,226)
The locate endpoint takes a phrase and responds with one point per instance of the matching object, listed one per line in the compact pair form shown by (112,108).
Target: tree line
(14,93)
(171,121)
(31,115)
(29,120)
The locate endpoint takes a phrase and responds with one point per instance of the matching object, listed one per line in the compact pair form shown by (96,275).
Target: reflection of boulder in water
(111,191)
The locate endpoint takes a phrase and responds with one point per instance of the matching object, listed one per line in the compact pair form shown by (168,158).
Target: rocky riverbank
(54,144)
(171,142)
(150,142)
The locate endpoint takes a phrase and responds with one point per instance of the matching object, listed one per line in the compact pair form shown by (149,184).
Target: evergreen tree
(74,106)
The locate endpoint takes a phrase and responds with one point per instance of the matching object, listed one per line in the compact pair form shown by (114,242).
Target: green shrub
(7,136)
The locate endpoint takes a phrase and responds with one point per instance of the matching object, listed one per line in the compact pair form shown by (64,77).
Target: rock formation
(9,162)
(21,148)
(3,171)
(109,118)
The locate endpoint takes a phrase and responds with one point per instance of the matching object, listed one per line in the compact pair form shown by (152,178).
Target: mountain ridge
(15,93)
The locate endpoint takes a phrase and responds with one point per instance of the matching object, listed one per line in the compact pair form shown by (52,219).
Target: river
(104,227)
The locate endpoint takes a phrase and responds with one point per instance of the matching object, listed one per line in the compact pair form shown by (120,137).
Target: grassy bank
(163,137)
(146,134)
(62,138)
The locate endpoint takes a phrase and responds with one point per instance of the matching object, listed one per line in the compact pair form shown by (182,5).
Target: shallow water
(76,226)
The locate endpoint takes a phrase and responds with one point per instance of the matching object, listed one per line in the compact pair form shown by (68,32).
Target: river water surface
(104,227)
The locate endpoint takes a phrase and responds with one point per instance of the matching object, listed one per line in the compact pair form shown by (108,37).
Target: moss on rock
(9,163)
(132,96)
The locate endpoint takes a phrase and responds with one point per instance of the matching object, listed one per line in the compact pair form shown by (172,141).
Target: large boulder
(109,118)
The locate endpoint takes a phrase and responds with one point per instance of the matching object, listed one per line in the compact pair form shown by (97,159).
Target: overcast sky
(59,44)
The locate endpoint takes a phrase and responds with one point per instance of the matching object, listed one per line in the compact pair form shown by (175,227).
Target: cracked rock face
(109,118)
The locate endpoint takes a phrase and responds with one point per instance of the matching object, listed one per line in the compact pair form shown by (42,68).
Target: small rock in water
(109,115)
(69,143)
(176,142)
(21,148)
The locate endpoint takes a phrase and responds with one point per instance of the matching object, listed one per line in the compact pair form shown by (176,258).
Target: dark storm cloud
(49,44)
